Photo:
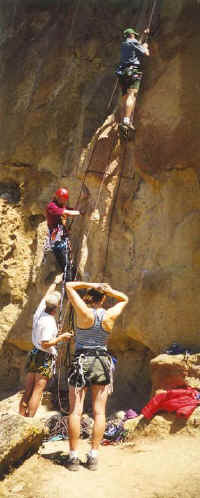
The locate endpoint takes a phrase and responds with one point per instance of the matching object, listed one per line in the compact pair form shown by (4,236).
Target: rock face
(18,435)
(170,372)
(163,425)
(141,228)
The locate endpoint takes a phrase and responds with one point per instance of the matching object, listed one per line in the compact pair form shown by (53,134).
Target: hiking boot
(91,463)
(72,463)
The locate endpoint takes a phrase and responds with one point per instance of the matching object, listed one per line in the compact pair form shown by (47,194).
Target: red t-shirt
(53,214)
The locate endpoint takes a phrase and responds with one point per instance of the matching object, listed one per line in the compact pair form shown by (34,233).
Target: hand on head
(104,287)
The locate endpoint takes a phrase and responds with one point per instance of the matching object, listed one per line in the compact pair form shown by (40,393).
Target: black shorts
(87,370)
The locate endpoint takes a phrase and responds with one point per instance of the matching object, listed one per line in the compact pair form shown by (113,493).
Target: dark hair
(94,296)
(49,309)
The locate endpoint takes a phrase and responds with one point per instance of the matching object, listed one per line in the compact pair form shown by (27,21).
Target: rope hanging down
(70,311)
(71,315)
(148,26)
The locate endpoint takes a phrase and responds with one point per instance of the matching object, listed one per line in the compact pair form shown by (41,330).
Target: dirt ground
(149,469)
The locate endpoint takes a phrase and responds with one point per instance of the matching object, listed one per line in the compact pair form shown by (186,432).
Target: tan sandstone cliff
(142,223)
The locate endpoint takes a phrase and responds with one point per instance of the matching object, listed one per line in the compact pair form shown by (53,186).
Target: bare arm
(52,287)
(143,48)
(71,212)
(84,313)
(47,344)
(112,313)
(83,285)
(146,47)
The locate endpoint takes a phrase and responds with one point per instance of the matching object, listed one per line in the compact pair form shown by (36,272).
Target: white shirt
(44,328)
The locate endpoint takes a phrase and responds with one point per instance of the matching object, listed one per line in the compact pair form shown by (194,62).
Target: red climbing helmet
(62,193)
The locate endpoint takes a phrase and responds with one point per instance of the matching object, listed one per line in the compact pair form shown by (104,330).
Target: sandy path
(151,469)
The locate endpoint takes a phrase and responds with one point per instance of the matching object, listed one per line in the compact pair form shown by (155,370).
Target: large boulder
(172,371)
(18,436)
(163,425)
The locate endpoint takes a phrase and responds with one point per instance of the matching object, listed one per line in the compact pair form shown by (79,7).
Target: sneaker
(72,463)
(91,463)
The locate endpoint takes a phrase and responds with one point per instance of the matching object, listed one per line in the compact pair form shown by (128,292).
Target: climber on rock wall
(129,74)
(57,212)
(41,360)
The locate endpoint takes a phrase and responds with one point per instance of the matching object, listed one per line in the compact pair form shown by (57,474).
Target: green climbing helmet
(129,31)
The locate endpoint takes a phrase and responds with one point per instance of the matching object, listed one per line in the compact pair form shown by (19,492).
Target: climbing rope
(148,26)
(151,15)
(105,175)
(71,310)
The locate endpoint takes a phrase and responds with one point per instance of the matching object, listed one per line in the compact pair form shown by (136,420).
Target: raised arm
(84,313)
(54,209)
(71,212)
(42,304)
(141,47)
(52,288)
(112,313)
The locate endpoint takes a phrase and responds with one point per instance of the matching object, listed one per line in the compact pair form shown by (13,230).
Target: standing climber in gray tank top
(92,363)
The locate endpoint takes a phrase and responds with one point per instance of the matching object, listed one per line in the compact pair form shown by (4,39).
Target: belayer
(57,212)
(92,364)
(130,74)
(40,365)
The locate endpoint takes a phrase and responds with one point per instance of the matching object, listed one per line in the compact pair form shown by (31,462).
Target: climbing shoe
(123,129)
(127,130)
(72,463)
(91,463)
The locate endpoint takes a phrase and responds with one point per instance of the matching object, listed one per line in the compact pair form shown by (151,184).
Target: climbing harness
(129,72)
(77,376)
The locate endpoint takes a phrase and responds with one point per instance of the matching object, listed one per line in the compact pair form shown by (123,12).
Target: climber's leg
(130,87)
(129,101)
(29,385)
(39,387)
(61,253)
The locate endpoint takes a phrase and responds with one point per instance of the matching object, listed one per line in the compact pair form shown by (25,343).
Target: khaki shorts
(90,370)
(132,81)
(40,362)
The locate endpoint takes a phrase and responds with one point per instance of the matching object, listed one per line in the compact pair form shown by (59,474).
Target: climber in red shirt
(57,212)
(57,208)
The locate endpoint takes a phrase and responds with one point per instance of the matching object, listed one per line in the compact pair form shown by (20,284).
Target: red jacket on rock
(181,401)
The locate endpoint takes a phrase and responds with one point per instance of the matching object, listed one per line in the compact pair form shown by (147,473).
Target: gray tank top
(95,337)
